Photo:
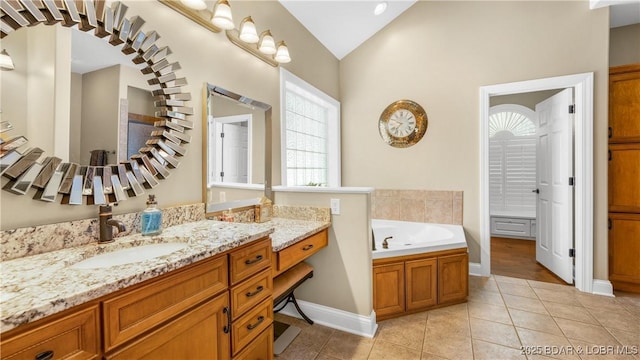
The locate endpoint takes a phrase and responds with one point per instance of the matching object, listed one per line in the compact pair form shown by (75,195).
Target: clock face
(403,123)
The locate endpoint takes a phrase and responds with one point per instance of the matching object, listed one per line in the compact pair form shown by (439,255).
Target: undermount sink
(129,255)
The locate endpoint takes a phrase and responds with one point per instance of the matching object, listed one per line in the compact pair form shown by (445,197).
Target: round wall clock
(403,123)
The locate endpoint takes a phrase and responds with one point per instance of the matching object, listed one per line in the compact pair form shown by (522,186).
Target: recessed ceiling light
(380,8)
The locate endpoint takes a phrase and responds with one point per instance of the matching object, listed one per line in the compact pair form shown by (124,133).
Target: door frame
(583,168)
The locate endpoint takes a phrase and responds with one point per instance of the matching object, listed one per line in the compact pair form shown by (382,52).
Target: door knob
(537,191)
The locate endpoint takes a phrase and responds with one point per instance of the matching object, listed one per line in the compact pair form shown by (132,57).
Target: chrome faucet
(107,224)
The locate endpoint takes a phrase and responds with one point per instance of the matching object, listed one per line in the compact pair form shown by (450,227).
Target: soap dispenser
(151,219)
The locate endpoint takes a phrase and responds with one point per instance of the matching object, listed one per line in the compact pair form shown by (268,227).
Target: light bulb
(5,61)
(282,55)
(222,17)
(248,31)
(267,44)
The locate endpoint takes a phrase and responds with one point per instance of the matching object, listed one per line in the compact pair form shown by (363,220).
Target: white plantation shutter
(512,161)
(520,174)
(496,176)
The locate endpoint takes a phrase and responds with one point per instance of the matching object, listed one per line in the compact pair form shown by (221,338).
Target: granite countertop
(36,286)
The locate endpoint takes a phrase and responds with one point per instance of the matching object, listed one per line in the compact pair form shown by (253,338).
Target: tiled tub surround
(37,286)
(427,206)
(17,243)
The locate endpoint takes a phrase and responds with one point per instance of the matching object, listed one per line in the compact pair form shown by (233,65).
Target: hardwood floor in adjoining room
(517,258)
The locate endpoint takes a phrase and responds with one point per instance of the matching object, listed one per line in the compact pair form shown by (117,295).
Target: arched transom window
(515,119)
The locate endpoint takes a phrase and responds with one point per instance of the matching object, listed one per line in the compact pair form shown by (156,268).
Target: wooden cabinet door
(624,251)
(388,289)
(421,283)
(624,104)
(624,177)
(198,334)
(453,278)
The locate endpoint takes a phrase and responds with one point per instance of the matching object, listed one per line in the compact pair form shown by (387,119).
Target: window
(512,158)
(310,124)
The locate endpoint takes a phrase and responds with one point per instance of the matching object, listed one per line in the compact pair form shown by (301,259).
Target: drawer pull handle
(258,291)
(227,328)
(249,262)
(308,247)
(45,355)
(253,326)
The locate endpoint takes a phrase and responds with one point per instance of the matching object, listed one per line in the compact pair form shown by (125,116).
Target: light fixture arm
(201,17)
(234,37)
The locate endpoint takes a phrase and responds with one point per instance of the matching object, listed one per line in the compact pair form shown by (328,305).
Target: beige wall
(205,57)
(342,270)
(439,54)
(529,99)
(624,45)
(75,126)
(100,112)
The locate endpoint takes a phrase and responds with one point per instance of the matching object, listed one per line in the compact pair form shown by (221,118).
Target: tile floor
(503,316)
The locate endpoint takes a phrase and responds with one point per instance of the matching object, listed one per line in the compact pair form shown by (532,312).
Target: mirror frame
(164,146)
(213,90)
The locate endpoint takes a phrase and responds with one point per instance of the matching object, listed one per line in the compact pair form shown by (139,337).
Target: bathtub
(415,238)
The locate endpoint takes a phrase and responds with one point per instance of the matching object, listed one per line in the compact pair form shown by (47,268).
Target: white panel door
(554,236)
(231,154)
(234,153)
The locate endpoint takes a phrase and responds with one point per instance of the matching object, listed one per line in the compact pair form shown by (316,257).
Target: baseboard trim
(475,269)
(335,318)
(602,287)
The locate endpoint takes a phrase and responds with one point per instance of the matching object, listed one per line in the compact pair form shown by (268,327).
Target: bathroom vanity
(210,299)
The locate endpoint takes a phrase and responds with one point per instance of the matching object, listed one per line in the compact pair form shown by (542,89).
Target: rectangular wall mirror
(236,141)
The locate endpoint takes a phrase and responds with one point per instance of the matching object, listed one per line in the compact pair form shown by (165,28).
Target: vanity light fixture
(248,32)
(380,8)
(262,46)
(195,4)
(5,61)
(282,54)
(222,17)
(267,45)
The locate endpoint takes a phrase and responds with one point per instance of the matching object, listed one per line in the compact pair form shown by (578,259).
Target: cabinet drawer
(250,325)
(75,336)
(260,349)
(251,292)
(510,226)
(249,260)
(299,251)
(128,315)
